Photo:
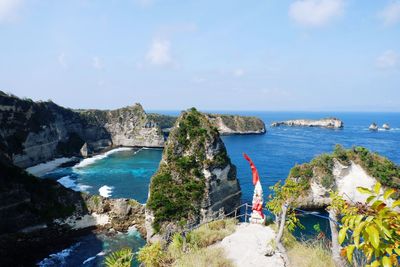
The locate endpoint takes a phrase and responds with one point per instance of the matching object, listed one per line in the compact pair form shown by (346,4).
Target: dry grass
(211,233)
(310,255)
(205,257)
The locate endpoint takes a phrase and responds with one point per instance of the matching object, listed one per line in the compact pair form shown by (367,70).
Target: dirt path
(248,246)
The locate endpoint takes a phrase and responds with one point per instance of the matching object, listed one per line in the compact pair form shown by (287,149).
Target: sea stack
(195,181)
(332,123)
(373,127)
(386,126)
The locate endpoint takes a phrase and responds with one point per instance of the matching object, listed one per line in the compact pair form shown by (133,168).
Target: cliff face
(196,180)
(342,171)
(324,123)
(35,132)
(226,124)
(233,124)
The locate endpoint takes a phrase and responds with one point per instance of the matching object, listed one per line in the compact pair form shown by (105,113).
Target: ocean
(127,172)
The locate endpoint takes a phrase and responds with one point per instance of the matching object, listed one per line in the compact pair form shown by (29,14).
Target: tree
(372,228)
(120,258)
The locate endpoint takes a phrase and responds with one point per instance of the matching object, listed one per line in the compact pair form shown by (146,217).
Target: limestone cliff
(196,180)
(324,123)
(342,171)
(234,124)
(226,124)
(35,132)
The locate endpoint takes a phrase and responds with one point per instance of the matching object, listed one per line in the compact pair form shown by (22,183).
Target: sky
(279,55)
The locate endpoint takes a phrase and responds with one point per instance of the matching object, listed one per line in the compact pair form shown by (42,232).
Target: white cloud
(239,72)
(159,53)
(391,13)
(62,60)
(8,9)
(315,13)
(97,63)
(388,60)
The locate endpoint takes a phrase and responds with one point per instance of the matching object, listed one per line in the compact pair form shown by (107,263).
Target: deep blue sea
(127,173)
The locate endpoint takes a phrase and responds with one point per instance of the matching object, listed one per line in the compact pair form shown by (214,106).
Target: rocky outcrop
(386,126)
(343,171)
(226,124)
(332,123)
(373,127)
(237,125)
(35,132)
(196,180)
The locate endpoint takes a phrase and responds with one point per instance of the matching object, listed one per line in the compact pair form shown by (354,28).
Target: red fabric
(256,178)
(258,207)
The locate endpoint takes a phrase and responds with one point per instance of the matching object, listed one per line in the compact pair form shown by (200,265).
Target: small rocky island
(373,127)
(195,181)
(332,123)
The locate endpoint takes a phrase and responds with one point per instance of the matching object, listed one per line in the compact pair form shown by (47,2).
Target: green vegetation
(164,121)
(177,188)
(193,250)
(120,258)
(321,167)
(372,228)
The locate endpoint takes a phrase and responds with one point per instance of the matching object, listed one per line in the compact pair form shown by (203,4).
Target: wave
(92,160)
(43,168)
(105,190)
(67,182)
(101,253)
(58,259)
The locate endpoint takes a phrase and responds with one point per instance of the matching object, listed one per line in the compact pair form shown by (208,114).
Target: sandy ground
(248,246)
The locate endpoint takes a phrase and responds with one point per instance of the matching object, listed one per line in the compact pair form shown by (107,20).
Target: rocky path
(248,245)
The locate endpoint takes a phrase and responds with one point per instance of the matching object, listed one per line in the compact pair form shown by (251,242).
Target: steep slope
(35,132)
(195,180)
(342,171)
(226,124)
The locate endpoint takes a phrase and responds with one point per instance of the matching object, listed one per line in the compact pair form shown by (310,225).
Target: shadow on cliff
(28,206)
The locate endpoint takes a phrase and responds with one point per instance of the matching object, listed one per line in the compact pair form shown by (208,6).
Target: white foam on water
(92,160)
(67,182)
(105,191)
(58,259)
(43,168)
(88,260)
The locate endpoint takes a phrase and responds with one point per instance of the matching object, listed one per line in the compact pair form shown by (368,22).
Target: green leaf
(397,250)
(386,262)
(356,233)
(349,253)
(342,235)
(377,188)
(364,190)
(388,193)
(370,198)
(373,236)
(396,203)
(375,264)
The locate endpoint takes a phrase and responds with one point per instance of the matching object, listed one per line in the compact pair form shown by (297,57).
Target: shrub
(120,258)
(204,258)
(152,255)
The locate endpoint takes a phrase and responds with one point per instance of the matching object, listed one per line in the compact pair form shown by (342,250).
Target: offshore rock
(195,182)
(333,123)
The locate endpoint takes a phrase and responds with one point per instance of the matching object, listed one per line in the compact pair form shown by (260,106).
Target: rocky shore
(332,123)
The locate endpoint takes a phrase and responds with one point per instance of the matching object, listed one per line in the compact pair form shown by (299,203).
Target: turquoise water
(128,173)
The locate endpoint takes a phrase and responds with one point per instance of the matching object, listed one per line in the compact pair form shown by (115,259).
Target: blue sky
(313,55)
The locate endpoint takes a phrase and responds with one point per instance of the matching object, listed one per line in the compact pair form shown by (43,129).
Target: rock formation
(41,216)
(234,124)
(324,123)
(373,127)
(226,124)
(343,171)
(386,126)
(35,132)
(196,180)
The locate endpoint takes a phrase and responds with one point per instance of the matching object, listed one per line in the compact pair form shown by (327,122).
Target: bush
(152,255)
(205,257)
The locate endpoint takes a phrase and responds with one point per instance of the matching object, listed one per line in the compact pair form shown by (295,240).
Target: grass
(204,258)
(194,250)
(311,253)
